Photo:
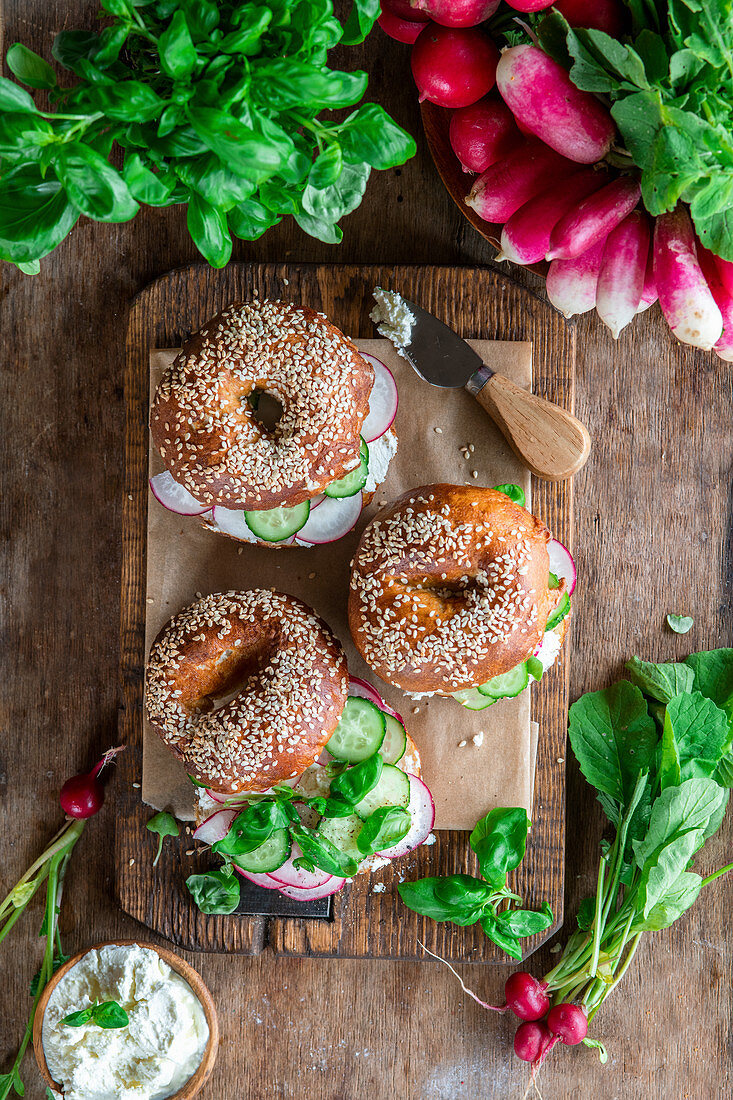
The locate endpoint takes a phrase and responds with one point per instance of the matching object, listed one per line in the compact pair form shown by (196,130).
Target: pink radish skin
(526,236)
(571,284)
(562,564)
(529,5)
(568,1023)
(453,66)
(457,13)
(525,996)
(593,219)
(601,15)
(725,272)
(174,497)
(258,879)
(383,401)
(402,30)
(364,690)
(511,182)
(724,301)
(541,95)
(331,887)
(531,1040)
(482,134)
(623,267)
(403,9)
(289,875)
(649,293)
(684,295)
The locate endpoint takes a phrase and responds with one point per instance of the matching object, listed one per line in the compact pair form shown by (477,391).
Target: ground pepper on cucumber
(625,106)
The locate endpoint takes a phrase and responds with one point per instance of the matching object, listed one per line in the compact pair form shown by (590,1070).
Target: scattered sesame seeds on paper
(183,558)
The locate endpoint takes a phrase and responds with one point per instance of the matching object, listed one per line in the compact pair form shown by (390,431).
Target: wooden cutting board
(356,923)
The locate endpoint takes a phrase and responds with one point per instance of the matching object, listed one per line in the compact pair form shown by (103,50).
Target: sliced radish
(333,519)
(173,496)
(364,690)
(216,826)
(258,879)
(317,500)
(422,812)
(562,564)
(331,887)
(383,401)
(289,875)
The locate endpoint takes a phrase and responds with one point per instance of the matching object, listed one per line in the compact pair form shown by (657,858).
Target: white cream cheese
(392,316)
(549,651)
(381,453)
(151,1058)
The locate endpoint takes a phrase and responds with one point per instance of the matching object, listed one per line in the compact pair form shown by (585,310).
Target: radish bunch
(542,151)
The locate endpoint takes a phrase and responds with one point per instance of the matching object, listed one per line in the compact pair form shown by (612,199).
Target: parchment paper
(185,561)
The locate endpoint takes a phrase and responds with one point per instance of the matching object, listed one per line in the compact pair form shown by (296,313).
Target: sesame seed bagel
(205,428)
(449,588)
(245,688)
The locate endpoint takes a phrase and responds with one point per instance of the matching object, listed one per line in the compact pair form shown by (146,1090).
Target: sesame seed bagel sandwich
(459,590)
(273,428)
(302,776)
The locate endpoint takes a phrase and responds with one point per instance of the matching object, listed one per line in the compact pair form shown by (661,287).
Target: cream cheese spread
(392,316)
(149,1059)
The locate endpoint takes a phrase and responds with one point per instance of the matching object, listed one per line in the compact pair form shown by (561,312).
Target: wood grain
(362,923)
(653,533)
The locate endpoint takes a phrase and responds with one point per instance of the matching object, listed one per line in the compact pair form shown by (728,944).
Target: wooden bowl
(436,122)
(195,1083)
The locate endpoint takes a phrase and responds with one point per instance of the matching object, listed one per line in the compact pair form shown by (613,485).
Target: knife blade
(552,442)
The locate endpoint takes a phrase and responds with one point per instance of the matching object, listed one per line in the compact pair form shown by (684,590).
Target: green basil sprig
(215,892)
(163,824)
(499,840)
(105,1014)
(227,107)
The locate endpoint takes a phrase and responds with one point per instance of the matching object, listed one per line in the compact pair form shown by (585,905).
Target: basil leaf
(250,219)
(109,1015)
(384,828)
(535,668)
(369,135)
(359,22)
(320,228)
(614,739)
(176,50)
(514,492)
(214,181)
(458,898)
(147,187)
(164,825)
(29,67)
(340,198)
(327,167)
(214,892)
(499,840)
(237,146)
(78,1019)
(209,230)
(353,784)
(502,937)
(661,682)
(252,828)
(35,214)
(129,101)
(93,186)
(525,922)
(322,853)
(70,46)
(13,98)
(20,131)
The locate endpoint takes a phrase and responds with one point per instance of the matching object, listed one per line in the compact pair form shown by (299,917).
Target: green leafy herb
(164,825)
(215,892)
(226,107)
(499,840)
(105,1014)
(514,492)
(681,624)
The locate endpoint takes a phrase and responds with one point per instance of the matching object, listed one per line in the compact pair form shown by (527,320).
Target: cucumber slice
(353,482)
(394,745)
(393,789)
(360,731)
(559,613)
(508,685)
(269,856)
(343,831)
(472,699)
(276,524)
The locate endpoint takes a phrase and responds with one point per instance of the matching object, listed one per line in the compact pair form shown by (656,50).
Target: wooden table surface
(652,535)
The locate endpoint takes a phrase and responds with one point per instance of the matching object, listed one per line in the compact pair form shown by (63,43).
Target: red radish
(724,300)
(364,690)
(600,15)
(512,181)
(457,13)
(483,133)
(725,271)
(529,5)
(402,30)
(422,813)
(541,95)
(383,402)
(562,564)
(453,66)
(290,875)
(623,268)
(259,879)
(173,496)
(333,519)
(333,885)
(82,796)
(526,236)
(216,826)
(593,218)
(403,9)
(684,295)
(571,284)
(525,996)
(531,1040)
(568,1023)
(649,293)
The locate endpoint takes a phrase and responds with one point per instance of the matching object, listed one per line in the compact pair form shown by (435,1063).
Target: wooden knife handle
(548,439)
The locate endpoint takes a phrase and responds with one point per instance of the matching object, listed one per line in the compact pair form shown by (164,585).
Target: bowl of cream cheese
(165,1051)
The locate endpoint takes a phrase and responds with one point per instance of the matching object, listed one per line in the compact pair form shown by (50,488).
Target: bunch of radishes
(542,149)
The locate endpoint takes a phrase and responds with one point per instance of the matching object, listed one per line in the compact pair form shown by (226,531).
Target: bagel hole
(266,409)
(228,676)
